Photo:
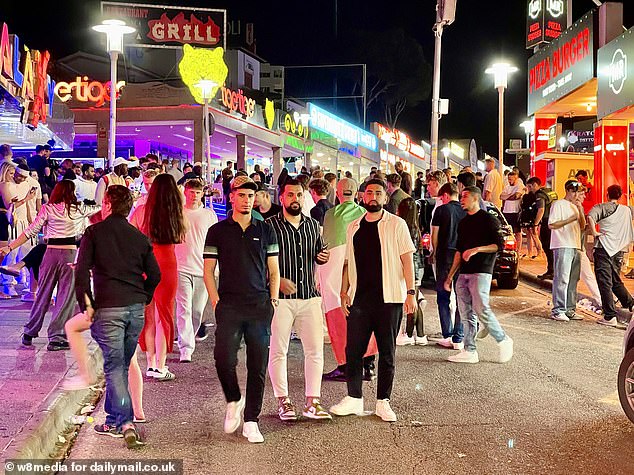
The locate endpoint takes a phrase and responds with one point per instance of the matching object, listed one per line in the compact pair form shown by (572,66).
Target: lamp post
(114,30)
(529,127)
(445,152)
(206,87)
(500,73)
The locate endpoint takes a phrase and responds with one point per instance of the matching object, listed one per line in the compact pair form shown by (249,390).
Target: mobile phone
(324,247)
(34,189)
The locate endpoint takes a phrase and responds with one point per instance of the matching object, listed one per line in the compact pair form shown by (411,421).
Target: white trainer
(421,340)
(445,342)
(251,431)
(505,348)
(233,416)
(403,340)
(457,346)
(465,357)
(348,406)
(384,411)
(560,317)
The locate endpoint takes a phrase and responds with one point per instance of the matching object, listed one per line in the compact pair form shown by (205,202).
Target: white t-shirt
(189,254)
(85,189)
(568,236)
(308,204)
(513,206)
(31,205)
(493,183)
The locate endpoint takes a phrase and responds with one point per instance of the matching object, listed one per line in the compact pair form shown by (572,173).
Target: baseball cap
(242,181)
(347,187)
(120,161)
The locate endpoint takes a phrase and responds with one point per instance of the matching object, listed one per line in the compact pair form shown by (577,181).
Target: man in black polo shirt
(246,250)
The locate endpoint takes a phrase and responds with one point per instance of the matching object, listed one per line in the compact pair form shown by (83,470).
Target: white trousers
(306,316)
(191,298)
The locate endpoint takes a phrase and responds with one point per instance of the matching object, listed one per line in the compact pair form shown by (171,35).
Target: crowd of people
(141,255)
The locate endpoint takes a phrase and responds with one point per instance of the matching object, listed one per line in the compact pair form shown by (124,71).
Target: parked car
(626,373)
(506,271)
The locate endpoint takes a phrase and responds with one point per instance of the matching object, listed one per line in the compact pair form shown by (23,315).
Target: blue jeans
(455,331)
(565,280)
(472,291)
(117,331)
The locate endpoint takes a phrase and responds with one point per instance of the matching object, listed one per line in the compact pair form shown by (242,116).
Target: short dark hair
(290,182)
(319,186)
(303,180)
(534,180)
(39,148)
(375,181)
(330,176)
(473,190)
(5,150)
(467,179)
(615,192)
(120,199)
(394,178)
(582,173)
(194,184)
(449,189)
(86,166)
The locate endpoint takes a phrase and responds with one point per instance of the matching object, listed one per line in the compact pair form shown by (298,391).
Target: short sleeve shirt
(242,259)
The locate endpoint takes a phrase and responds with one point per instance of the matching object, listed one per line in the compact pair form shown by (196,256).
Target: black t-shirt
(479,229)
(367,256)
(447,218)
(318,212)
(275,209)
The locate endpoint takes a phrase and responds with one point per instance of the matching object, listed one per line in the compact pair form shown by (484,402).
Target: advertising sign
(399,139)
(564,65)
(325,121)
(616,75)
(93,92)
(171,26)
(294,123)
(545,21)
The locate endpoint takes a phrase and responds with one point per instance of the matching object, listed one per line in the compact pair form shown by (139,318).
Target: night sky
(302,32)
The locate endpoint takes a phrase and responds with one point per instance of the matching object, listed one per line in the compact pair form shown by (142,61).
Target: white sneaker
(464,357)
(151,372)
(560,317)
(505,348)
(445,342)
(348,406)
(403,340)
(251,431)
(185,358)
(233,417)
(421,340)
(384,411)
(457,346)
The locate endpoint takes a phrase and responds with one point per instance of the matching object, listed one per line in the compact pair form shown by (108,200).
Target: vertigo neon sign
(83,91)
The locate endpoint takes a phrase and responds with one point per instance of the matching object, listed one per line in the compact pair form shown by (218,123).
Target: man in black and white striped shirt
(301,247)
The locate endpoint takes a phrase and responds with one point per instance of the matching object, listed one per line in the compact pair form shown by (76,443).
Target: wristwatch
(275,302)
(411,292)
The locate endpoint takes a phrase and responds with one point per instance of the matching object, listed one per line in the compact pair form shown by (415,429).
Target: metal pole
(112,141)
(436,97)
(206,144)
(501,131)
(365,94)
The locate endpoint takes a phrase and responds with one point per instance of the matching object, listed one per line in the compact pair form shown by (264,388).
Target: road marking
(611,399)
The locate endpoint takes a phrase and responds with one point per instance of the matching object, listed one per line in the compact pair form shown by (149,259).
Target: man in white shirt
(566,221)
(116,177)
(493,184)
(512,197)
(85,185)
(191,295)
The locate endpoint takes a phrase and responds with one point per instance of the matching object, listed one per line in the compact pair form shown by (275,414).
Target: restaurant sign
(616,75)
(171,26)
(564,65)
(338,128)
(400,140)
(545,21)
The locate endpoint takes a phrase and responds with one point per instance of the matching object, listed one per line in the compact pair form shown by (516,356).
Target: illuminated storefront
(395,145)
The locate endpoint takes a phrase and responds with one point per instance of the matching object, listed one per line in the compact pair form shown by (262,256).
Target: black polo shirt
(242,257)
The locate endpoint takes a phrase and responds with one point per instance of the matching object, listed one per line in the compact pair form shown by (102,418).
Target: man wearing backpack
(544,198)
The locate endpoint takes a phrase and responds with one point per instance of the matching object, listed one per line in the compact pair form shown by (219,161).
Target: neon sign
(85,91)
(400,140)
(23,72)
(238,102)
(182,31)
(323,120)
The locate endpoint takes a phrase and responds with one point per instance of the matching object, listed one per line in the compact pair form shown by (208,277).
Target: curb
(623,315)
(39,438)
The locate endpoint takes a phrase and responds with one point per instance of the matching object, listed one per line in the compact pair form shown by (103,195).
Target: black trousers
(253,321)
(544,237)
(384,320)
(608,272)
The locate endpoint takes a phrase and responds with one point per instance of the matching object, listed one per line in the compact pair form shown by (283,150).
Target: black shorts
(514,220)
(4,227)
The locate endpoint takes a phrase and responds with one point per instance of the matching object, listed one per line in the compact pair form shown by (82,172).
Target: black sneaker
(132,438)
(58,345)
(545,276)
(201,334)
(105,429)
(27,340)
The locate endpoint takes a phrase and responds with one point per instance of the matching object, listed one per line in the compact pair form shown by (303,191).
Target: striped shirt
(298,250)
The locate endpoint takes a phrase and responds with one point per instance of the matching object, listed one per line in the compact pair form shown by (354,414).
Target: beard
(373,207)
(294,209)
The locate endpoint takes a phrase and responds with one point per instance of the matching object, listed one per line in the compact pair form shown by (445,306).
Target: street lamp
(114,30)
(206,87)
(500,73)
(529,128)
(445,151)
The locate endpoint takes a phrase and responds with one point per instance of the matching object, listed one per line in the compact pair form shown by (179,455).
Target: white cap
(120,161)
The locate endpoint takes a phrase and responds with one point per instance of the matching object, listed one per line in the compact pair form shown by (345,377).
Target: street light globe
(206,87)
(501,73)
(562,143)
(445,151)
(528,126)
(114,30)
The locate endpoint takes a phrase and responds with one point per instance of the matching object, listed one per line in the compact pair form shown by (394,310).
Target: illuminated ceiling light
(319,154)
(158,136)
(137,130)
(562,142)
(188,129)
(351,163)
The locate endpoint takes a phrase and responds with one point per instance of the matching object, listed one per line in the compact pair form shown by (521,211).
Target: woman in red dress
(161,220)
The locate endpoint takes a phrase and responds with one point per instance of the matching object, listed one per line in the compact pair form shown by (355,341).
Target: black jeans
(608,272)
(384,320)
(253,321)
(544,237)
(443,265)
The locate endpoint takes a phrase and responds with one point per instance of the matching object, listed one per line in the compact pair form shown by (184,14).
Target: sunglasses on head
(575,186)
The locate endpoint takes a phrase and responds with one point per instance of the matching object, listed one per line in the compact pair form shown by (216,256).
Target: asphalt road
(553,409)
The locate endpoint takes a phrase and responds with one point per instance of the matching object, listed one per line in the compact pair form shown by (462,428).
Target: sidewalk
(531,268)
(33,409)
